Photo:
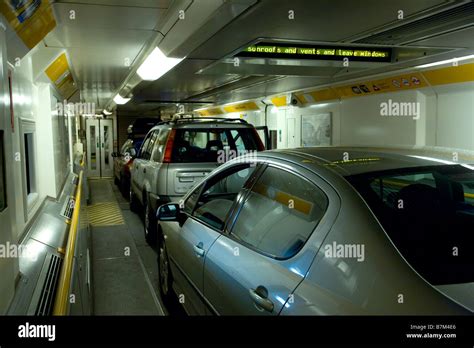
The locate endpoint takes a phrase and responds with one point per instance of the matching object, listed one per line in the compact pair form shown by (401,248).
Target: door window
(219,194)
(93,148)
(105,142)
(281,212)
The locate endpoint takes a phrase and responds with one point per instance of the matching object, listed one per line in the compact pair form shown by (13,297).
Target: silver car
(175,155)
(323,231)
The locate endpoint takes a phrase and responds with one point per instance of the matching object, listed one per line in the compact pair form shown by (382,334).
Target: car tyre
(124,188)
(150,224)
(164,272)
(133,201)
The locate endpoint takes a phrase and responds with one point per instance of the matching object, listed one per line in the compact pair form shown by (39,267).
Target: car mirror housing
(169,212)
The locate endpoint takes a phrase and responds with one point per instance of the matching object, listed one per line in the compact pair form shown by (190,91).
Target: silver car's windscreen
(214,145)
(429,215)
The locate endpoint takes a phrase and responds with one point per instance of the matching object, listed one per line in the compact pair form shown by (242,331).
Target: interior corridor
(124,266)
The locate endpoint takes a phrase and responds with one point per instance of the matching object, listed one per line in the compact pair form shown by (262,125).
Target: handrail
(63,289)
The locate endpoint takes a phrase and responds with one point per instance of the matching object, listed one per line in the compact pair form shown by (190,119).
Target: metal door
(93,150)
(99,135)
(291,133)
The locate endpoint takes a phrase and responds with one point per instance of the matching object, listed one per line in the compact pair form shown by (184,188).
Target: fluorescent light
(121,100)
(107,112)
(156,65)
(447,61)
(319,105)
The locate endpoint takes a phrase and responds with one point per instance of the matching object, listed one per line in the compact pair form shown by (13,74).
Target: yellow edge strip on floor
(62,292)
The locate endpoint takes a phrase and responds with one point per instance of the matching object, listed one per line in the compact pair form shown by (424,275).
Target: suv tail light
(127,166)
(169,147)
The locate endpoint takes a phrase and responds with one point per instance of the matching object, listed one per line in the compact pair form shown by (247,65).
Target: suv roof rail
(201,118)
(205,118)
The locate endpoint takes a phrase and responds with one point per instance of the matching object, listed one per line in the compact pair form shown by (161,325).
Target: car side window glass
(160,143)
(281,212)
(145,144)
(150,146)
(219,194)
(124,148)
(192,200)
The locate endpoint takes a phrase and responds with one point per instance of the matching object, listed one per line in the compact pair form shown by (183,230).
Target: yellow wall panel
(452,74)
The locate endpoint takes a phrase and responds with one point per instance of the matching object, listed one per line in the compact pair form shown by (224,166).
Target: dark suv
(123,160)
(175,155)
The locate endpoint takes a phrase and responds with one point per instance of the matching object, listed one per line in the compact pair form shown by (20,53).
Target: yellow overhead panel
(389,84)
(247,106)
(279,101)
(58,69)
(210,112)
(32,20)
(319,95)
(452,74)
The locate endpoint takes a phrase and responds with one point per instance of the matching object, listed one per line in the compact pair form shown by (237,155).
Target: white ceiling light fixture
(447,61)
(107,112)
(156,65)
(119,100)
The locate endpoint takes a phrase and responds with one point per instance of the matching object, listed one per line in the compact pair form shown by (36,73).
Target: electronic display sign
(317,52)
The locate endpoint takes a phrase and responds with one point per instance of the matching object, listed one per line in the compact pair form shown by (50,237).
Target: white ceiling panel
(98,16)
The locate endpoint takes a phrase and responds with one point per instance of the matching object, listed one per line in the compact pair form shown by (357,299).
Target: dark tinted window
(429,215)
(3,186)
(280,214)
(205,145)
(220,193)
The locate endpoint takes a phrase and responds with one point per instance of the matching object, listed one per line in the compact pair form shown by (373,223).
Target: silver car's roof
(357,160)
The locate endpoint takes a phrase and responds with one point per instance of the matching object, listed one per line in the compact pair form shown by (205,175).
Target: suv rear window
(428,213)
(205,145)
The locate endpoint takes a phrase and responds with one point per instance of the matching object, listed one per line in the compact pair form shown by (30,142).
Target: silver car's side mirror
(169,212)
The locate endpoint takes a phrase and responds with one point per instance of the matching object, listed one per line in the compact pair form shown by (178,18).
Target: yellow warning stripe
(105,214)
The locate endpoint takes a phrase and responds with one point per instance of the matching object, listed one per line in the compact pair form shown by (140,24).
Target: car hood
(461,293)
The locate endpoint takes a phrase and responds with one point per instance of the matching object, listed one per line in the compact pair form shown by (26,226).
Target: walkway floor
(124,266)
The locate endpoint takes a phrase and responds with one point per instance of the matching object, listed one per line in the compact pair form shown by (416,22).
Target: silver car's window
(213,145)
(125,146)
(144,146)
(428,214)
(219,195)
(280,214)
(149,148)
(160,143)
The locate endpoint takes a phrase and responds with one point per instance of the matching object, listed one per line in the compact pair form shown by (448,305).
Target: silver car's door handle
(199,250)
(260,301)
